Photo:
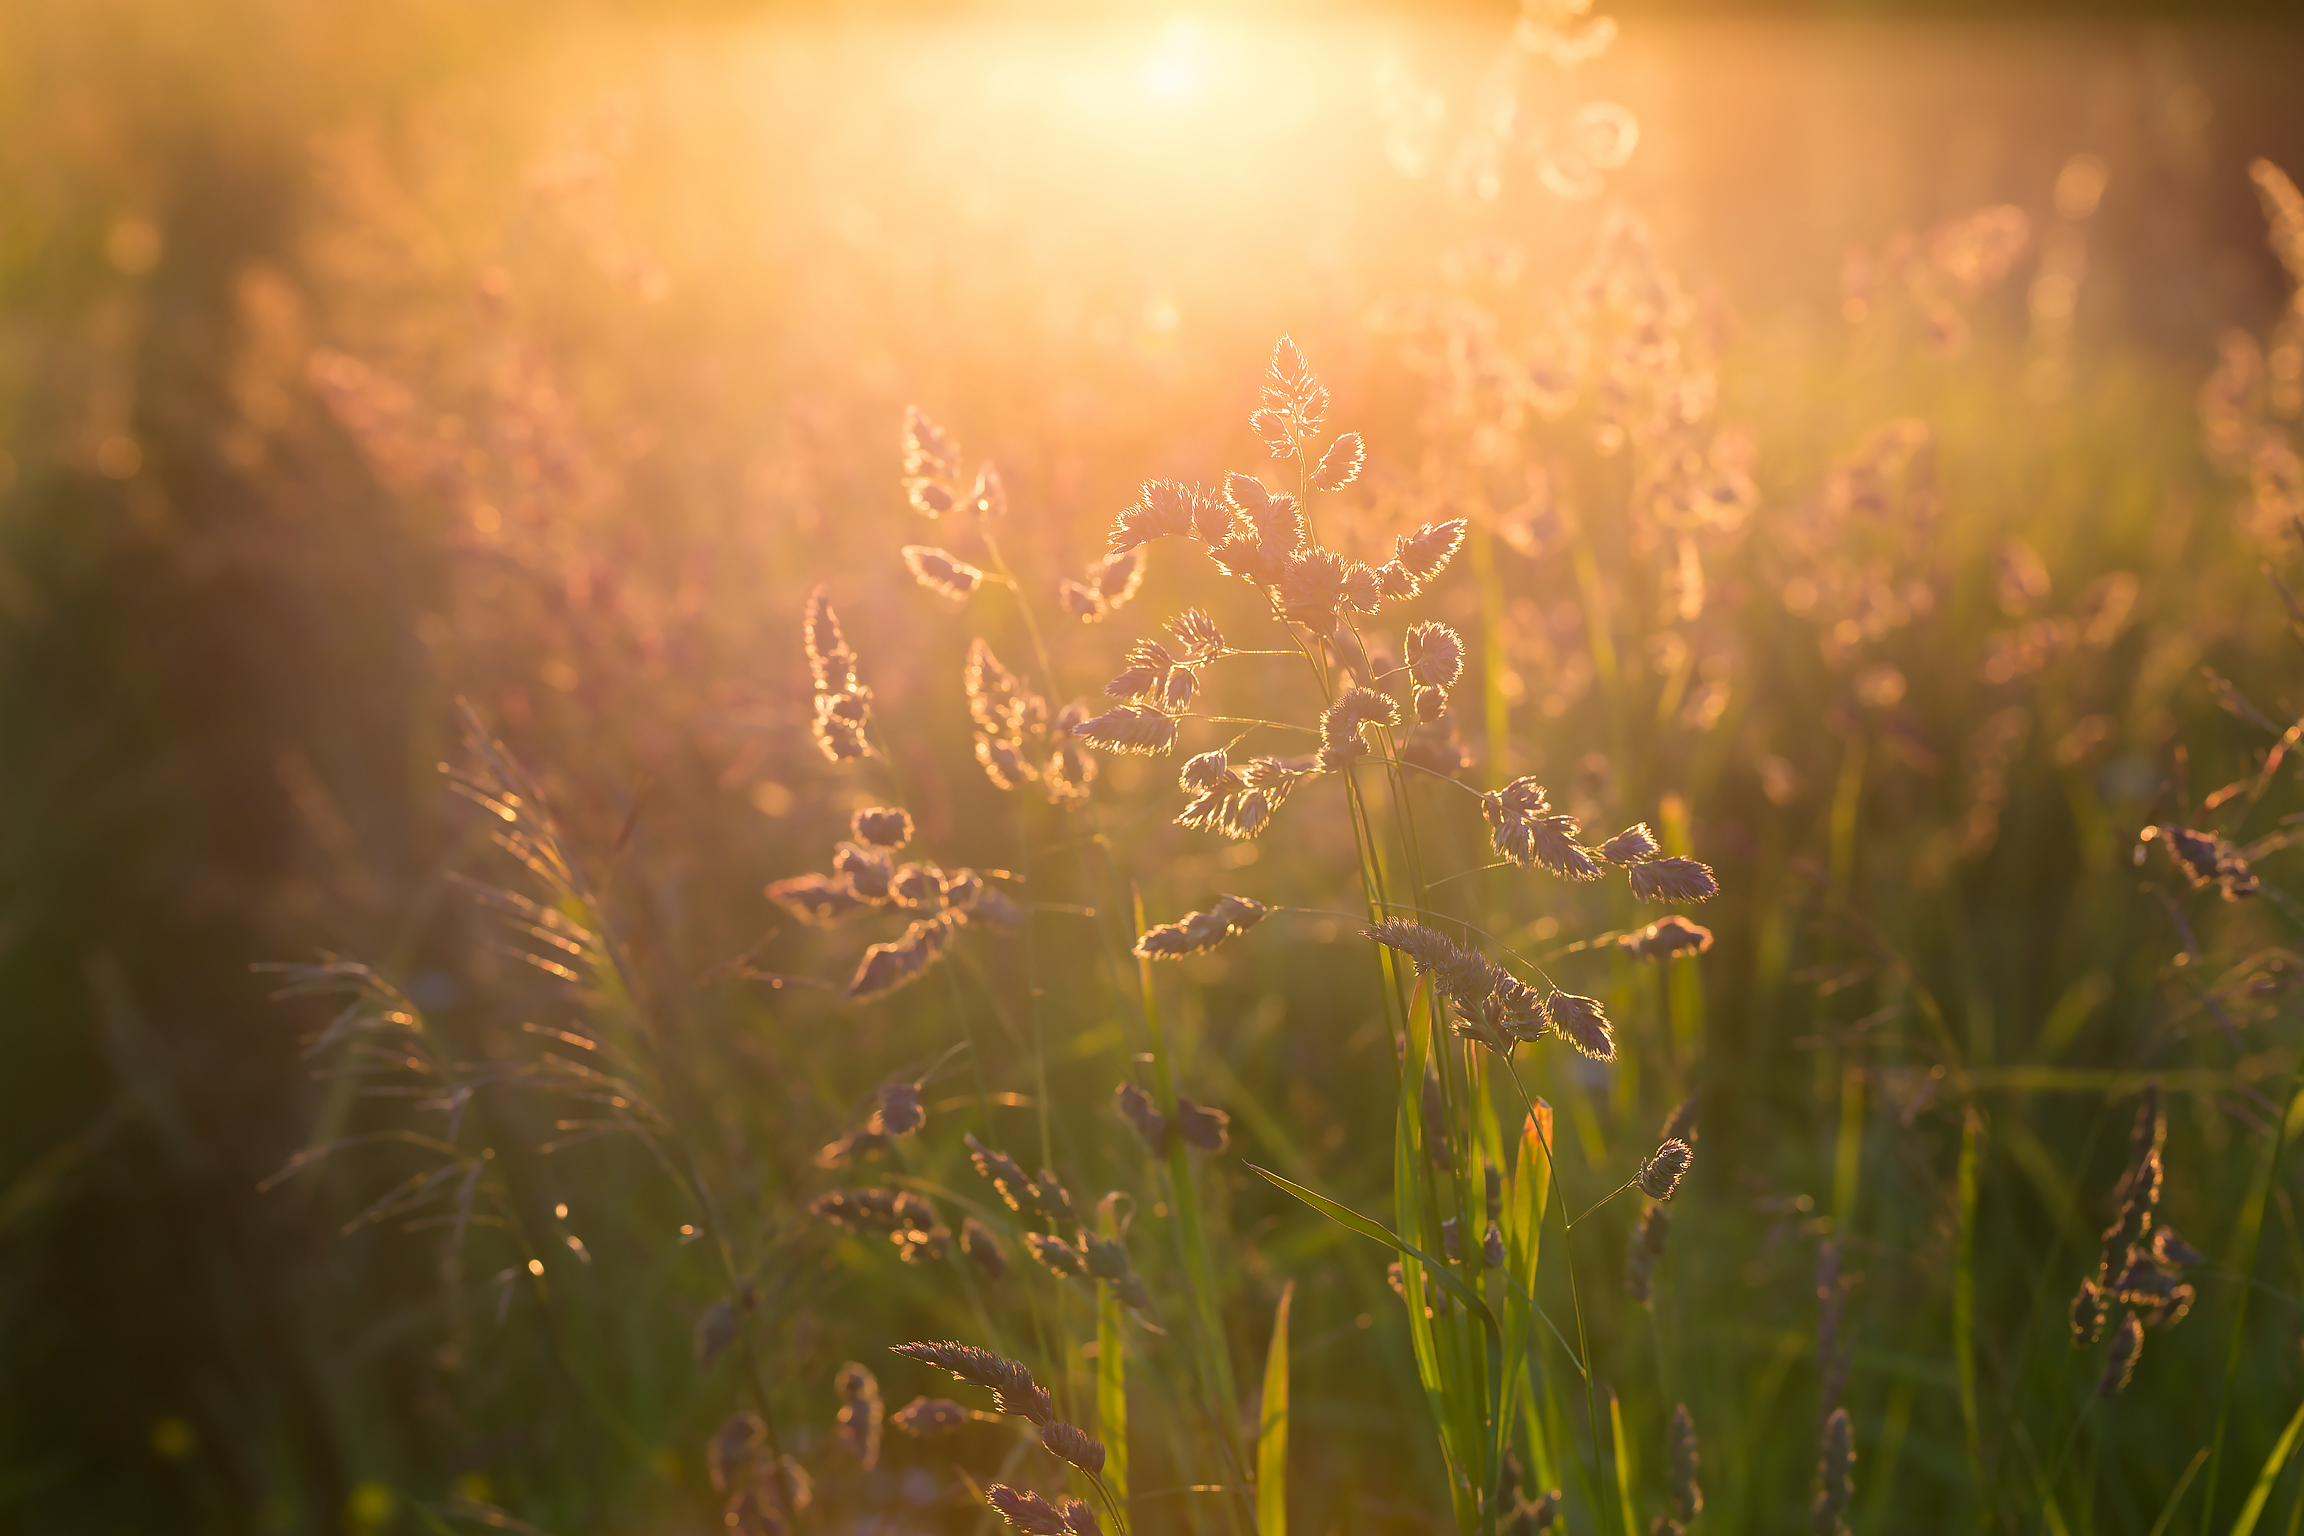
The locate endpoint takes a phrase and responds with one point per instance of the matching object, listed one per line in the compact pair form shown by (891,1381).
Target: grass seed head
(2087,1313)
(2120,1363)
(1014,1390)
(1200,1126)
(899,1113)
(1667,938)
(929,1418)
(1340,725)
(728,1453)
(988,497)
(1660,1176)
(1426,552)
(752,1511)
(1340,465)
(1681,1463)
(1137,1108)
(941,572)
(857,1431)
(1130,728)
(887,967)
(1581,1020)
(819,901)
(1198,932)
(1027,1512)
(1835,1474)
(1677,878)
(867,871)
(881,826)
(1435,655)
(1069,1443)
(1056,1256)
(1631,845)
(1198,634)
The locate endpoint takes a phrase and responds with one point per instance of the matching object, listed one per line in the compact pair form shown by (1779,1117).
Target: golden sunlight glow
(1173,74)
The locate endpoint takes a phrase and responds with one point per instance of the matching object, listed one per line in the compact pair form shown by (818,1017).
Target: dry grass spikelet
(1005,1173)
(1027,1512)
(830,662)
(988,497)
(1426,552)
(1435,655)
(1168,509)
(2120,1363)
(1583,1022)
(819,901)
(1200,1126)
(752,1511)
(1532,1517)
(1682,1458)
(916,887)
(1660,1176)
(1057,1256)
(728,1452)
(1014,1391)
(1136,1107)
(929,1418)
(1071,1444)
(843,704)
(886,967)
(1340,465)
(2087,1313)
(928,449)
(1130,728)
(1198,634)
(1667,938)
(1677,878)
(1145,675)
(1835,1474)
(858,1429)
(1631,845)
(881,826)
(1198,932)
(941,572)
(900,1113)
(868,872)
(1527,831)
(1235,801)
(1341,724)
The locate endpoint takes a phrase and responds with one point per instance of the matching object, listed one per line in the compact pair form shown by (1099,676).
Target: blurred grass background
(676,271)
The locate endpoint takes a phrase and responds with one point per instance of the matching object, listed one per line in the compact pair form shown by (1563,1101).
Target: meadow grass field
(1504,772)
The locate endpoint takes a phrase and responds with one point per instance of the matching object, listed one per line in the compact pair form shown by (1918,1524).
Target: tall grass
(1943,627)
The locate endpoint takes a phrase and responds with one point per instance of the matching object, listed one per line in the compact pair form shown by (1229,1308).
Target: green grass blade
(1112,1391)
(2244,1251)
(2176,1495)
(1623,1464)
(1964,1298)
(2257,1495)
(1351,1220)
(1272,1434)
